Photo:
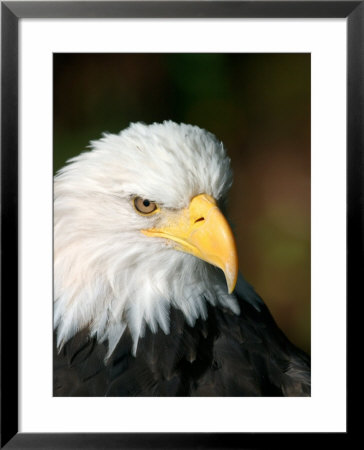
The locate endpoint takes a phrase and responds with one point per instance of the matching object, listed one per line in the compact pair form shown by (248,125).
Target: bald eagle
(147,296)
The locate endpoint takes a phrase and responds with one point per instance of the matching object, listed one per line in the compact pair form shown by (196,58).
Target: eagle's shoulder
(224,355)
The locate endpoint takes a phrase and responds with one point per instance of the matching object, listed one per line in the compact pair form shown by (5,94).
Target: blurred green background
(258,105)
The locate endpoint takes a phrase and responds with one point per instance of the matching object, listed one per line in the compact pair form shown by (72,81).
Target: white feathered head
(137,229)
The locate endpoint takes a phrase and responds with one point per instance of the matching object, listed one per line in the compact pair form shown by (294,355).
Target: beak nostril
(200,219)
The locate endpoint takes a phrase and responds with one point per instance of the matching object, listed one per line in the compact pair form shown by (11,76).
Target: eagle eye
(144,206)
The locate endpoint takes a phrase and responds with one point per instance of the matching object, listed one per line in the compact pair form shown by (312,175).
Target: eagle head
(138,229)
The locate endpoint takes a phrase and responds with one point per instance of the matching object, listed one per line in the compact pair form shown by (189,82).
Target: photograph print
(181,224)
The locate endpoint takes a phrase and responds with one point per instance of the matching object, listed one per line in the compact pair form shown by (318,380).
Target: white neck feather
(134,291)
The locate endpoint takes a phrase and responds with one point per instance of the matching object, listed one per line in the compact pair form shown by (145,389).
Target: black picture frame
(11,12)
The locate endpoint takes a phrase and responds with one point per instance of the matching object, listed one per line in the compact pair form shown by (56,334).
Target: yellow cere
(203,231)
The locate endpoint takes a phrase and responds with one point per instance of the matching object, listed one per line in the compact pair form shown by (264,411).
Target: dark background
(258,105)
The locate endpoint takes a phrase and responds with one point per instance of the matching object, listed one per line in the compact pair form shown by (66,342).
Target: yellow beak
(202,230)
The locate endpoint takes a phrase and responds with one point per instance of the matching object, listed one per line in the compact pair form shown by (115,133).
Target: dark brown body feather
(225,355)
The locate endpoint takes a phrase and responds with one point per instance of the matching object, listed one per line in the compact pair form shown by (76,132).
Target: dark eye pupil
(146,203)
